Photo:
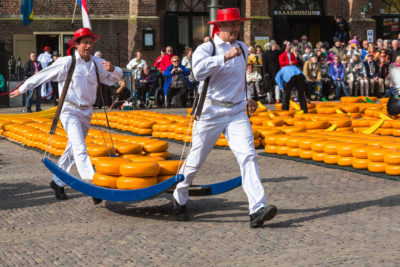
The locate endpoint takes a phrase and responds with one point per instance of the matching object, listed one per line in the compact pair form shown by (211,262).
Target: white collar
(219,41)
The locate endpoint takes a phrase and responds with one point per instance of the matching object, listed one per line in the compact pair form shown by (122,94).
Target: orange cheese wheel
(128,148)
(385,132)
(282,150)
(270,149)
(344,129)
(126,183)
(265,132)
(361,152)
(376,166)
(271,140)
(316,156)
(169,167)
(293,129)
(144,124)
(392,158)
(318,146)
(340,123)
(331,159)
(331,148)
(350,109)
(161,179)
(156,146)
(345,161)
(97,150)
(360,163)
(110,165)
(138,158)
(293,152)
(396,132)
(140,169)
(281,140)
(392,169)
(144,131)
(293,141)
(307,142)
(306,154)
(377,155)
(360,123)
(105,180)
(396,124)
(356,115)
(164,154)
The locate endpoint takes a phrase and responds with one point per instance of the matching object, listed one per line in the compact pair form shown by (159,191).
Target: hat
(47,48)
(82,32)
(335,39)
(226,15)
(313,55)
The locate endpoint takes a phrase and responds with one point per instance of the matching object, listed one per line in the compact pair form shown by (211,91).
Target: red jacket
(165,62)
(284,60)
(157,62)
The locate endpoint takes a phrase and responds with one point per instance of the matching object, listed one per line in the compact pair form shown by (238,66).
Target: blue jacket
(336,74)
(285,74)
(168,76)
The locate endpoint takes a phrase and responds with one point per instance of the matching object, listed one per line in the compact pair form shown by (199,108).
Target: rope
(102,135)
(7,93)
(183,149)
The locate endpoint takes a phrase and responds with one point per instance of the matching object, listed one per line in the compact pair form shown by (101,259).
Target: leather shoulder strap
(63,95)
(245,78)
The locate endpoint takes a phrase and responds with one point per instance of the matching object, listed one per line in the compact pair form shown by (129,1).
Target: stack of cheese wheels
(138,175)
(376,159)
(360,154)
(392,161)
(107,171)
(168,169)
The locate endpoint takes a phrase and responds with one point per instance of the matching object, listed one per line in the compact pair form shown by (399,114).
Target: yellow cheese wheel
(222,142)
(97,150)
(376,166)
(345,161)
(271,149)
(133,183)
(306,154)
(281,140)
(360,163)
(144,131)
(361,152)
(140,169)
(293,141)
(169,167)
(392,169)
(105,180)
(164,154)
(341,123)
(110,165)
(137,158)
(331,148)
(128,148)
(377,155)
(156,146)
(319,146)
(396,124)
(307,142)
(164,178)
(316,156)
(257,143)
(293,152)
(282,150)
(331,159)
(392,158)
(271,140)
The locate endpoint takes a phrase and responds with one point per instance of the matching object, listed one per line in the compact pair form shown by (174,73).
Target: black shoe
(39,109)
(28,110)
(181,212)
(96,200)
(258,218)
(59,191)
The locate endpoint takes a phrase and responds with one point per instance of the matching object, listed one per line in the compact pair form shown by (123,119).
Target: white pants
(76,123)
(46,90)
(235,125)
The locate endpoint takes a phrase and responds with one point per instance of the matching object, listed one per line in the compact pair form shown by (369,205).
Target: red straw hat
(226,15)
(47,48)
(82,32)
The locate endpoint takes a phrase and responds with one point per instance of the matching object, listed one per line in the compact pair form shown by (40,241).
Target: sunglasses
(175,61)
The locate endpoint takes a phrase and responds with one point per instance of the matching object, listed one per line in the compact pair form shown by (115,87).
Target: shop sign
(297,13)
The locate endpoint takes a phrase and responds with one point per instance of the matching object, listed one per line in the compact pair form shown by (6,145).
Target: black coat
(271,64)
(29,69)
(375,74)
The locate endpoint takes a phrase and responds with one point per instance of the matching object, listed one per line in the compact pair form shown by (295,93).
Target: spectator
(45,59)
(379,44)
(359,77)
(326,78)
(372,50)
(352,49)
(255,58)
(55,56)
(376,84)
(287,58)
(312,72)
(303,44)
(146,83)
(318,53)
(2,83)
(336,71)
(295,52)
(121,95)
(166,59)
(395,51)
(349,78)
(31,67)
(176,82)
(382,52)
(337,48)
(137,64)
(271,66)
(98,54)
(253,79)
(386,45)
(157,63)
(206,39)
(329,57)
(384,63)
(307,53)
(324,51)
(318,45)
(342,28)
(364,50)
(187,63)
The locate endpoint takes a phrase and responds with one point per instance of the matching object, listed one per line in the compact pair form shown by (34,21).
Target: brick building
(148,25)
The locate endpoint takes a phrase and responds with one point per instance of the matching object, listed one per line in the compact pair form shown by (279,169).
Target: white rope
(102,135)
(73,14)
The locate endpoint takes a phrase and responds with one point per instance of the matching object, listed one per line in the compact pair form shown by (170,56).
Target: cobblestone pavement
(326,217)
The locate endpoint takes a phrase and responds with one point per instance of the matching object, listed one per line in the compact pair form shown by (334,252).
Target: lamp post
(213,12)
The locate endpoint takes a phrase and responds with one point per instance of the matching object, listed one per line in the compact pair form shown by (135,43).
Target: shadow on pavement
(23,195)
(283,179)
(389,201)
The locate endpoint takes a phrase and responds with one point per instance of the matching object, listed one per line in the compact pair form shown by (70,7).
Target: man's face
(395,45)
(365,45)
(337,43)
(175,62)
(314,60)
(370,59)
(85,46)
(146,70)
(230,29)
(304,39)
(169,50)
(32,56)
(307,50)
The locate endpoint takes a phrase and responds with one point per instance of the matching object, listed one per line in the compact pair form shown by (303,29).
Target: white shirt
(227,82)
(83,87)
(139,67)
(45,59)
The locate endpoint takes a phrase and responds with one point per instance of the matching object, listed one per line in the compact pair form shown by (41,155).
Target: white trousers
(46,90)
(235,125)
(76,123)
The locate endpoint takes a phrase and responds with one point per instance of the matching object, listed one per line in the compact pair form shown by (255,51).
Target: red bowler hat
(82,32)
(227,15)
(47,48)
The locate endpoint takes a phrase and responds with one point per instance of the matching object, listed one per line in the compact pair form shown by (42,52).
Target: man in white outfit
(224,112)
(77,110)
(45,59)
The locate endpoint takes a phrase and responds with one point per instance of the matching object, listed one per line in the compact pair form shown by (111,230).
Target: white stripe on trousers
(76,123)
(235,125)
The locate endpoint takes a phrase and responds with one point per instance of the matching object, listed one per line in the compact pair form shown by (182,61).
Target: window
(188,5)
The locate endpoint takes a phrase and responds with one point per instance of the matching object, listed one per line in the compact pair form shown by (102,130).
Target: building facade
(149,25)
